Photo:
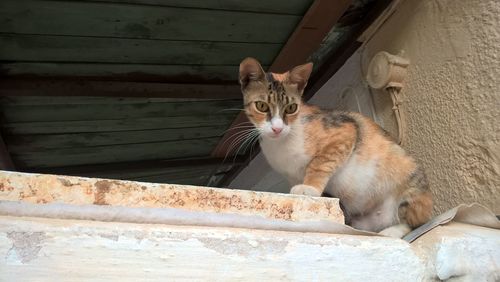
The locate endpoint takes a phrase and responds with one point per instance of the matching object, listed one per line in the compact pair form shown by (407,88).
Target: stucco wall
(451,96)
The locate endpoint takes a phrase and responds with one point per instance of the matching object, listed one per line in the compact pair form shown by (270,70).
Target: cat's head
(272,101)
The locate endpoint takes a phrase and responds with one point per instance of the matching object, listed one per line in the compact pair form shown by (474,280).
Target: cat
(344,154)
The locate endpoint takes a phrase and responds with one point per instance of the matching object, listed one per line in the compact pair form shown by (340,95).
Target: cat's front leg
(318,173)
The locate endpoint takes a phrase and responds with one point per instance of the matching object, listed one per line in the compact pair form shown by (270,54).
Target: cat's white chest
(287,157)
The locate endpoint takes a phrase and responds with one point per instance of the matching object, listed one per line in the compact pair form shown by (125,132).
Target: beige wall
(451,96)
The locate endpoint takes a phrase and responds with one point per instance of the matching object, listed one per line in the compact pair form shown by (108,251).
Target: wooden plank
(198,180)
(5,158)
(168,175)
(115,153)
(307,37)
(289,7)
(99,19)
(127,72)
(46,48)
(171,172)
(178,176)
(33,143)
(129,169)
(88,100)
(336,60)
(115,125)
(51,87)
(78,112)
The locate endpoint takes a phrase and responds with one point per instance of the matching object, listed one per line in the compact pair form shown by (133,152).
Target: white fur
(286,155)
(277,122)
(354,174)
(267,132)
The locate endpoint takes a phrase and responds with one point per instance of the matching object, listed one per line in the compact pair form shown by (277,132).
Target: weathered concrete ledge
(40,249)
(49,189)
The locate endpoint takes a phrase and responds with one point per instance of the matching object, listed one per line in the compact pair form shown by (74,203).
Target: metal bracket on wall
(387,72)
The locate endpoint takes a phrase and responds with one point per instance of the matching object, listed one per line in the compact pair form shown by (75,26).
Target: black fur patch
(336,120)
(309,118)
(418,179)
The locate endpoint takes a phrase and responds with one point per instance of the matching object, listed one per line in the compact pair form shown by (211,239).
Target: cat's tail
(416,208)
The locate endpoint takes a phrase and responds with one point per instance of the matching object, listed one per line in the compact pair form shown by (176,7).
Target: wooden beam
(5,159)
(336,60)
(307,37)
(55,87)
(96,169)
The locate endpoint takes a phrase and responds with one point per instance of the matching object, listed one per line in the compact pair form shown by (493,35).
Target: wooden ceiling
(146,89)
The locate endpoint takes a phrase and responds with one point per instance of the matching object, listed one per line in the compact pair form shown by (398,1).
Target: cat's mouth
(275,136)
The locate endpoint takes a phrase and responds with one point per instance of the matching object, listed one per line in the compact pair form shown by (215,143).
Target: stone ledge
(49,189)
(39,249)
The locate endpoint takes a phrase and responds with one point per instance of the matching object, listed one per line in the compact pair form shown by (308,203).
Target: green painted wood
(88,100)
(44,48)
(290,7)
(115,153)
(182,173)
(194,181)
(60,127)
(129,72)
(81,112)
(100,19)
(120,89)
(173,173)
(33,143)
(140,168)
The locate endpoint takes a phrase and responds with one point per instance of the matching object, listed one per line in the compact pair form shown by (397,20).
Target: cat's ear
(250,70)
(299,75)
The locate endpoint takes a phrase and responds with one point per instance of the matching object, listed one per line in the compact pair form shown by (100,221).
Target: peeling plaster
(25,246)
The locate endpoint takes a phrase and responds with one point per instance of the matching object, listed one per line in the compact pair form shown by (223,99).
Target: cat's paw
(302,189)
(396,231)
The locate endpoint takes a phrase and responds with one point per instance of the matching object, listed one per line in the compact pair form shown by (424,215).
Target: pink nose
(277,130)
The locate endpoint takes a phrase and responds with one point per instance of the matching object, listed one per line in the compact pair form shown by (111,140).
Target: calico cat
(343,154)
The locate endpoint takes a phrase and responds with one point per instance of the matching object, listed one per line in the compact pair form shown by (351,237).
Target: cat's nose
(277,130)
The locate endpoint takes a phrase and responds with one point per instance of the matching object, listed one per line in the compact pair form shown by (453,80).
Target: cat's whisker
(244,145)
(253,142)
(230,109)
(237,140)
(238,127)
(236,134)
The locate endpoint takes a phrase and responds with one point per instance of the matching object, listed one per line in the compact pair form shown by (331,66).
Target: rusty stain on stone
(65,182)
(102,187)
(282,212)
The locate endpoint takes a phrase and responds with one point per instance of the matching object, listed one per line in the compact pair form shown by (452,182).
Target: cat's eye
(261,106)
(290,109)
